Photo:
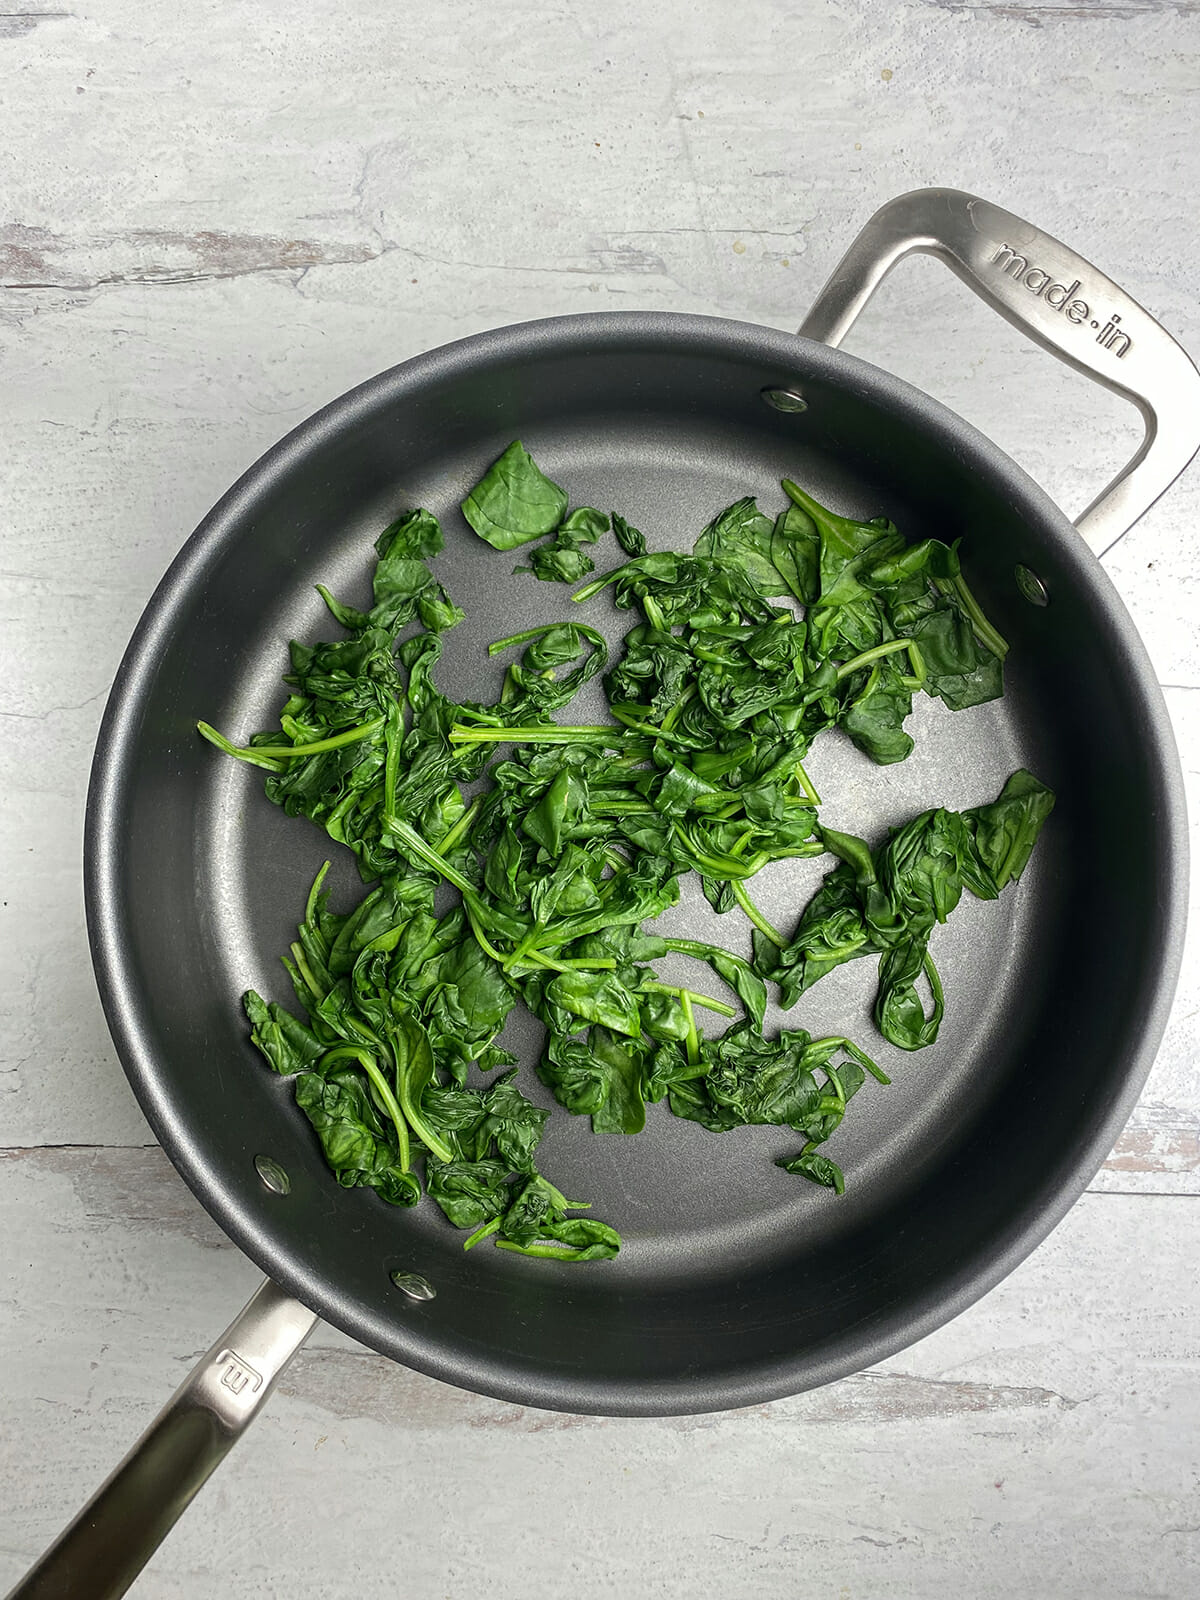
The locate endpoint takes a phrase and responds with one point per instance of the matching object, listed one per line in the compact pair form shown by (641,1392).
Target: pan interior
(736,1279)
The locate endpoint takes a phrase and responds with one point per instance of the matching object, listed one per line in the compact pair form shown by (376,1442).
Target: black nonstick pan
(736,1282)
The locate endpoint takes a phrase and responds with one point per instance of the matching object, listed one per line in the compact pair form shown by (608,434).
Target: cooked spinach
(561,559)
(514,501)
(743,1078)
(560,844)
(887,903)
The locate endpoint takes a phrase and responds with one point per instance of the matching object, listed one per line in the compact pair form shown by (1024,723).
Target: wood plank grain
(16,24)
(1039,12)
(1080,1369)
(37,258)
(237,218)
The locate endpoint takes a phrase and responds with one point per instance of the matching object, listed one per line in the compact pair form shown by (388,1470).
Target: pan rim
(149,1078)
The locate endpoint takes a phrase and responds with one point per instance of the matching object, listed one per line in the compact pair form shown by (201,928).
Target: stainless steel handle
(1062,302)
(119,1529)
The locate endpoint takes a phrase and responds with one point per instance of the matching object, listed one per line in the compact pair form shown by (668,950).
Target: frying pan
(736,1283)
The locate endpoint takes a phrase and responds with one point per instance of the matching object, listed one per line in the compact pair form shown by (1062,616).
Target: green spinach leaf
(514,502)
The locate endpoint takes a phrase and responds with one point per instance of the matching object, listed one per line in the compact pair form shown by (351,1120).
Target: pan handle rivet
(785,399)
(273,1175)
(414,1285)
(1031,586)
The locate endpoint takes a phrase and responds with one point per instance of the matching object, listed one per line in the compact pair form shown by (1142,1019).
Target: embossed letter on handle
(1057,298)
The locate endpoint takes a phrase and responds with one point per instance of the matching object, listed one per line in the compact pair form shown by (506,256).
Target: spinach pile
(560,843)
(887,903)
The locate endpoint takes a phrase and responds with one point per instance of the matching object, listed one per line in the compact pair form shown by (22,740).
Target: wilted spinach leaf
(514,501)
(887,902)
(561,559)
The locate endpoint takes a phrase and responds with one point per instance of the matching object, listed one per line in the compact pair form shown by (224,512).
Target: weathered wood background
(214,218)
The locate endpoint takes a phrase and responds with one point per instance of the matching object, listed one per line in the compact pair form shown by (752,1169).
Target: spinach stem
(980,626)
(594,588)
(520,638)
(426,853)
(806,783)
(391,771)
(582,964)
(310,908)
(756,917)
(854,1052)
(354,1052)
(837,1089)
(481,939)
(868,688)
(622,808)
(695,999)
(471,902)
(436,1144)
(919,670)
(464,824)
(306,972)
(518,950)
(724,866)
(333,822)
(654,614)
(701,951)
(552,733)
(476,715)
(659,732)
(257,754)
(692,1041)
(877,652)
(672,716)
(550,1252)
(254,758)
(481,1233)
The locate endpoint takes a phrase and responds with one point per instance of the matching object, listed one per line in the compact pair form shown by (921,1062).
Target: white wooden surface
(214,218)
